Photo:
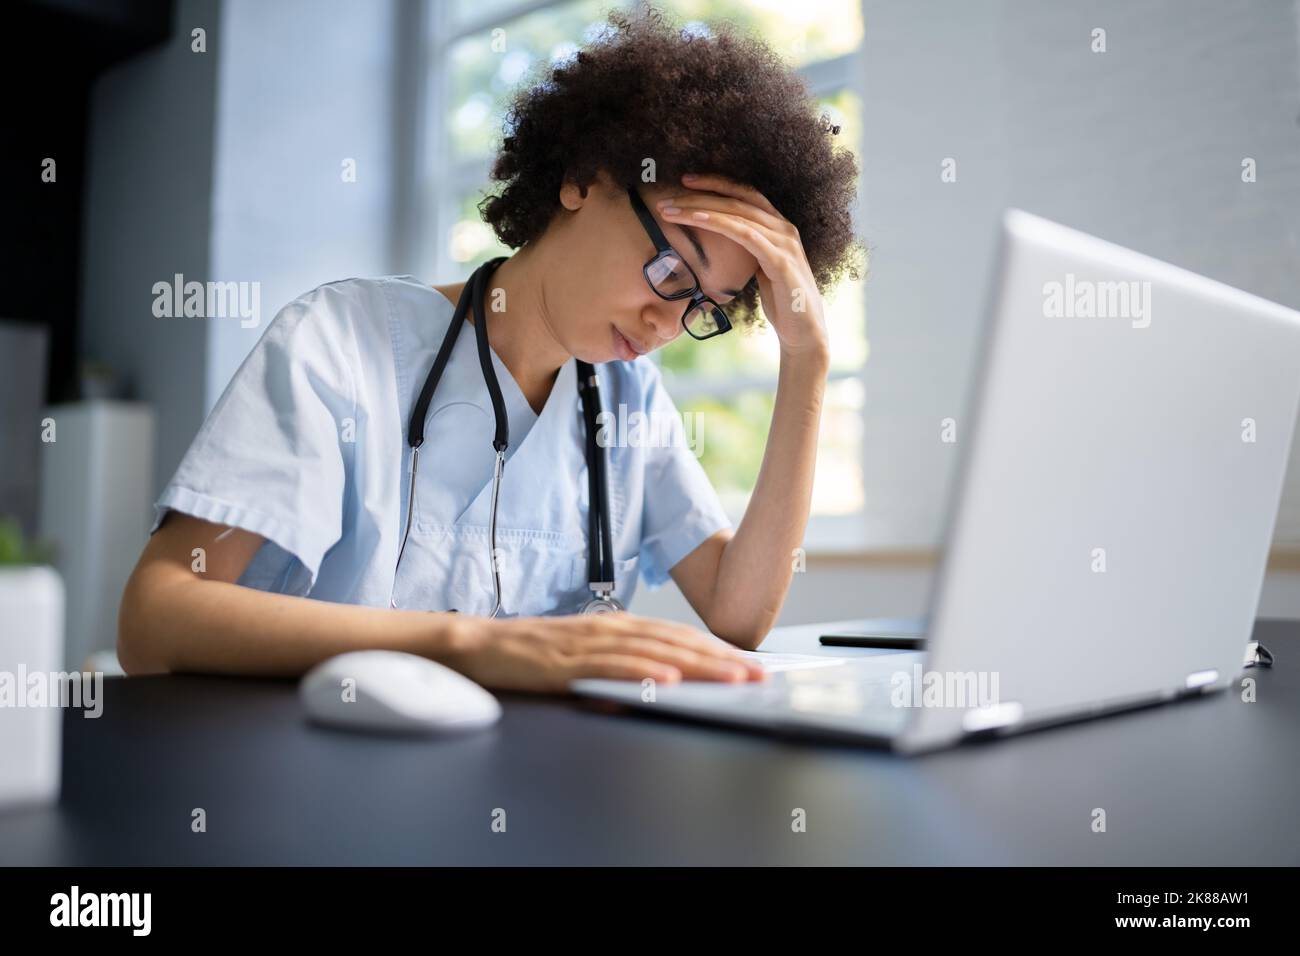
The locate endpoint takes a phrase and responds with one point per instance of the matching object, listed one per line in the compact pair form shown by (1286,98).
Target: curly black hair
(723,103)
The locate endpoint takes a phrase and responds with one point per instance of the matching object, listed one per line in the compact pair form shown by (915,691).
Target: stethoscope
(600,551)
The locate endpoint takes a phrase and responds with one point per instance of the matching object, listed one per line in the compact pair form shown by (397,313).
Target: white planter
(31,643)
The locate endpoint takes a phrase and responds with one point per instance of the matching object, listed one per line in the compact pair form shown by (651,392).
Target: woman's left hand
(789,295)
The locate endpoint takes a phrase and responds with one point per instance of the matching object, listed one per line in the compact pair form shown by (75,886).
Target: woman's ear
(572,195)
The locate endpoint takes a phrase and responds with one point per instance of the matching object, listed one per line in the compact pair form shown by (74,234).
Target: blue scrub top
(307,448)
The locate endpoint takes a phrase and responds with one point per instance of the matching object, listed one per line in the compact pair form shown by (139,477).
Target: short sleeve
(681,508)
(270,457)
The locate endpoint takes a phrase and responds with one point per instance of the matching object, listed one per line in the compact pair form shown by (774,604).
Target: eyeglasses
(669,277)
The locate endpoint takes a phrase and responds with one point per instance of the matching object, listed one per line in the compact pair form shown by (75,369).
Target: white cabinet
(96,509)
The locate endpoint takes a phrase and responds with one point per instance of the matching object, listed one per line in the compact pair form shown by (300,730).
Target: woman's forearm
(177,618)
(756,567)
(173,621)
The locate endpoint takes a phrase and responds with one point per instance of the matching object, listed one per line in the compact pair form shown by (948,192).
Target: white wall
(1141,145)
(304,84)
(149,167)
(225,166)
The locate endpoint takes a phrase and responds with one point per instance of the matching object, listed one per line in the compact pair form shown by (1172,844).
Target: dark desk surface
(1210,781)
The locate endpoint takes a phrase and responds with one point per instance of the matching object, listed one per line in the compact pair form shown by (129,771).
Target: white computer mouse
(395,692)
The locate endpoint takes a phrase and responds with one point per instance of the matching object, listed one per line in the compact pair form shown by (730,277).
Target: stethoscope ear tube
(420,411)
(502,438)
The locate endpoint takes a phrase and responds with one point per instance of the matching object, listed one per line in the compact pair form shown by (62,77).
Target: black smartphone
(896,642)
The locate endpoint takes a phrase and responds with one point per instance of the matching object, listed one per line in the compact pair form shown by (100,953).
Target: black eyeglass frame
(665,249)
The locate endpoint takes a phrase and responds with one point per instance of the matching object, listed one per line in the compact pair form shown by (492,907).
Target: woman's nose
(665,319)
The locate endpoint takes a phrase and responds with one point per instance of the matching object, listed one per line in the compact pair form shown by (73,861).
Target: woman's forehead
(721,263)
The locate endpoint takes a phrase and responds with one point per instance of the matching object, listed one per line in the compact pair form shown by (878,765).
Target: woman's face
(597,294)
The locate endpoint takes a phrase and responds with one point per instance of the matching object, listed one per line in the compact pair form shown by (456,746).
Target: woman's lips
(624,348)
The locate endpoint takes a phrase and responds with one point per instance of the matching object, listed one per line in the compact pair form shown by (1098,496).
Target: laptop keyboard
(829,686)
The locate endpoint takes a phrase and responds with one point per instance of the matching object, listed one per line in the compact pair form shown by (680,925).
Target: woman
(309,518)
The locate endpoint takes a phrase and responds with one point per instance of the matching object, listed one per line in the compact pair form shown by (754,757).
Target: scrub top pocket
(449,567)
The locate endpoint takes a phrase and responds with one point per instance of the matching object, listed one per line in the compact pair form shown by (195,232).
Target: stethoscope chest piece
(603,605)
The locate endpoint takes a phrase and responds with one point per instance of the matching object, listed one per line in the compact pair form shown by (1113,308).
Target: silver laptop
(1118,485)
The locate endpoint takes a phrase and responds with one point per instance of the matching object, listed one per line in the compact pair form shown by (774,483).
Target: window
(483,48)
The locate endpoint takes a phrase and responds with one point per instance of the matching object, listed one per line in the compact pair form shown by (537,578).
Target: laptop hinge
(982,720)
(1198,679)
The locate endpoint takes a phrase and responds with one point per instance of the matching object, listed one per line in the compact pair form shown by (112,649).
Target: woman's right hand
(545,653)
